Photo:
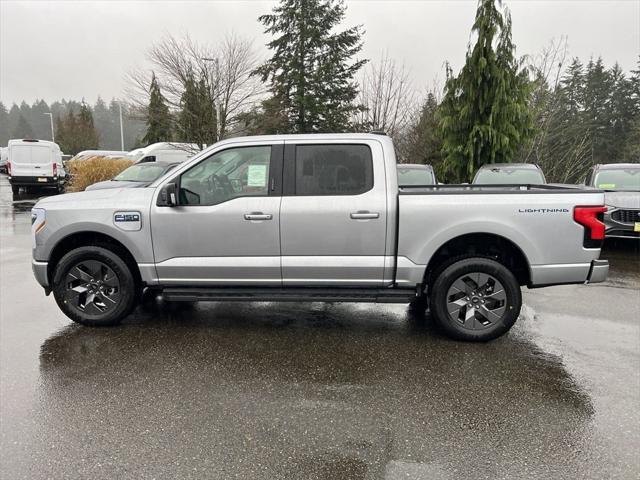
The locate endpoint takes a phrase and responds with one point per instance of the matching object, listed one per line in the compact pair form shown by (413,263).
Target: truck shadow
(315,388)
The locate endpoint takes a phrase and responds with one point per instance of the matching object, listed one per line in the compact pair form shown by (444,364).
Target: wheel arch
(481,244)
(90,238)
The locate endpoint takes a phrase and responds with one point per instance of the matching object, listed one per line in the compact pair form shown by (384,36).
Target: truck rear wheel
(94,287)
(475,299)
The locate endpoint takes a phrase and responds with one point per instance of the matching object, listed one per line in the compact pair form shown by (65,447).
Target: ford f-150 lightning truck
(315,218)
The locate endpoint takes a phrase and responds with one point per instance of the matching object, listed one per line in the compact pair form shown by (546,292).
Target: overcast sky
(76,49)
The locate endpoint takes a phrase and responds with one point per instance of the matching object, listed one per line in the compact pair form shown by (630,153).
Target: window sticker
(607,185)
(257,176)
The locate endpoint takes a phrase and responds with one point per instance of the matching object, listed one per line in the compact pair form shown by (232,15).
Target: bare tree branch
(226,69)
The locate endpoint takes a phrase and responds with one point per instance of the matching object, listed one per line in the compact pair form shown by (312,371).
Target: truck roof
(307,136)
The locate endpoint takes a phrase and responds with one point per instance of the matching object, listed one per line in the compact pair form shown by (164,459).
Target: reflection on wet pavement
(317,391)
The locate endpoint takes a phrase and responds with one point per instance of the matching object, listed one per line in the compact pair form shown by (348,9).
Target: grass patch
(96,169)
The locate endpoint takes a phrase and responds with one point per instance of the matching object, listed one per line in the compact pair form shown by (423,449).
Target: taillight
(591,219)
(8,168)
(55,169)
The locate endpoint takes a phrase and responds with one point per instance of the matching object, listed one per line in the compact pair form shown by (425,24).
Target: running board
(197,294)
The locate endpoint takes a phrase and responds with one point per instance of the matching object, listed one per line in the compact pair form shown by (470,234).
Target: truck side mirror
(168,196)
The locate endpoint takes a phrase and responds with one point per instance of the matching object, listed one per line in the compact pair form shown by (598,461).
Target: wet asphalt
(316,391)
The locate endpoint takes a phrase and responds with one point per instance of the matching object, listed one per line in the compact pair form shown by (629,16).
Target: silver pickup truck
(315,218)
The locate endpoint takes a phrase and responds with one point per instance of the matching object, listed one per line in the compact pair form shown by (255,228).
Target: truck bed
(474,189)
(537,219)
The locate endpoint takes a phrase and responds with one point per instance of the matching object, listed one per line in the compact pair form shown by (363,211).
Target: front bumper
(598,272)
(40,272)
(619,229)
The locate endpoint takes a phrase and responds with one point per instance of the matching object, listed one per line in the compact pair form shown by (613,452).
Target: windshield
(509,176)
(414,176)
(627,179)
(144,172)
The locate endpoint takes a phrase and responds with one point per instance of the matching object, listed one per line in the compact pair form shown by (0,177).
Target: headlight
(38,221)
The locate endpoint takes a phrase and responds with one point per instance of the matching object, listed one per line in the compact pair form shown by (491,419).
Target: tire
(15,189)
(94,287)
(470,290)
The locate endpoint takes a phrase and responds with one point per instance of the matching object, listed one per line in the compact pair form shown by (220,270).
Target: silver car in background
(509,174)
(136,176)
(415,174)
(621,183)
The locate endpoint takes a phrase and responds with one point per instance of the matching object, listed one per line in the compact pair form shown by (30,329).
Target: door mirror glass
(168,196)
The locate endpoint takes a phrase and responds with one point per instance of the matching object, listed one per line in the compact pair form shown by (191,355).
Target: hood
(622,199)
(106,197)
(115,184)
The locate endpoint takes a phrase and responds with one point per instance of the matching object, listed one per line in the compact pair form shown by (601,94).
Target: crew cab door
(333,215)
(225,228)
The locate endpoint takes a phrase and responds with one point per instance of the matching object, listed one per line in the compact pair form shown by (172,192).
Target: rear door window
(333,169)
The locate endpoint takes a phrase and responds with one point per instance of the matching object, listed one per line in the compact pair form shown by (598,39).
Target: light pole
(121,129)
(53,138)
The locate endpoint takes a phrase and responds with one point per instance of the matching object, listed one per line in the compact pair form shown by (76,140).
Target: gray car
(621,183)
(136,176)
(509,174)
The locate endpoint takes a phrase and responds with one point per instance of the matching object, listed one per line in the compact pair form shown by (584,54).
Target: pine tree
(311,72)
(484,116)
(22,129)
(4,125)
(88,137)
(598,86)
(158,117)
(197,121)
(421,143)
(75,133)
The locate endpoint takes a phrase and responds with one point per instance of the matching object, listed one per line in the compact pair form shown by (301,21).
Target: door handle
(364,215)
(258,216)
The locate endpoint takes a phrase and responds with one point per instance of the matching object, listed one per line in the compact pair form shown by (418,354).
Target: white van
(34,163)
(87,154)
(164,151)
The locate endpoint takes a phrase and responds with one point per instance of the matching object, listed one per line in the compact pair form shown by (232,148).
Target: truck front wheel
(475,299)
(94,286)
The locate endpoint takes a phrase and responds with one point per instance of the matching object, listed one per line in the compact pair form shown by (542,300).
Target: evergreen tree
(22,129)
(311,72)
(598,85)
(421,143)
(484,116)
(107,123)
(40,120)
(76,132)
(4,125)
(197,120)
(158,117)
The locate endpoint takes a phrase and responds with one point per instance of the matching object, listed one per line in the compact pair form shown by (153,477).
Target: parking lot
(327,391)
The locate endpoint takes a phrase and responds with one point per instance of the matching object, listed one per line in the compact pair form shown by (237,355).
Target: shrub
(96,169)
